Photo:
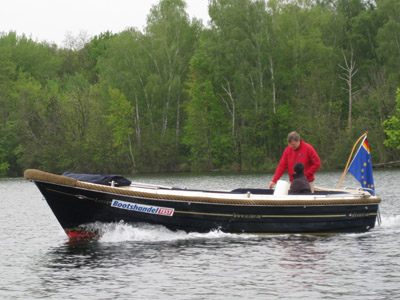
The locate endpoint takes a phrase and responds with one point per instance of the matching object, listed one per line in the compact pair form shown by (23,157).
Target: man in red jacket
(297,151)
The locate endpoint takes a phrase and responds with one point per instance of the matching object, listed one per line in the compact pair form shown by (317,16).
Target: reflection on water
(151,262)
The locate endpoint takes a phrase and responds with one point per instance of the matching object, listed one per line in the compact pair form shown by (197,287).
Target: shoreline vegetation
(183,97)
(392,166)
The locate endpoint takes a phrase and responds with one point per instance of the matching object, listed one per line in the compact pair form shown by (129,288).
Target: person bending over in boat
(300,184)
(297,151)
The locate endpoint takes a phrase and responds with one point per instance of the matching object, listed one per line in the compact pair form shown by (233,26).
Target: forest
(180,95)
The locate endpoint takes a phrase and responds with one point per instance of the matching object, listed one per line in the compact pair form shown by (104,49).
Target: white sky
(52,20)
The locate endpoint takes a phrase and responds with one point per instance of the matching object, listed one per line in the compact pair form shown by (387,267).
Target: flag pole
(348,161)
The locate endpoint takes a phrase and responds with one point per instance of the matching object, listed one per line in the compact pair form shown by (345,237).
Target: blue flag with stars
(361,167)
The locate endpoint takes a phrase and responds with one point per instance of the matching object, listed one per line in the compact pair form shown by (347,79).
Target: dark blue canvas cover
(100,178)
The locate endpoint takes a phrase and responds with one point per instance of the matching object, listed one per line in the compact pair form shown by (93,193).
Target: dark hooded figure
(299,185)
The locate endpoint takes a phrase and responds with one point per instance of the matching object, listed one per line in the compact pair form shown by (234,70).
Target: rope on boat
(41,176)
(37,175)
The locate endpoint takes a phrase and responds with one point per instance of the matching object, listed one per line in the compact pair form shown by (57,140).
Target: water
(150,262)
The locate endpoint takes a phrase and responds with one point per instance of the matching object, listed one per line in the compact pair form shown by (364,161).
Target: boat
(79,202)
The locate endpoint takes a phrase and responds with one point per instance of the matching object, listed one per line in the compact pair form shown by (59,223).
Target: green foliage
(120,120)
(388,36)
(120,117)
(207,134)
(179,96)
(392,126)
(8,142)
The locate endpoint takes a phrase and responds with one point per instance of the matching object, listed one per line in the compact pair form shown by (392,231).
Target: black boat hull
(76,207)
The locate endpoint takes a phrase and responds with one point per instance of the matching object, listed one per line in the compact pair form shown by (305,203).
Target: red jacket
(305,154)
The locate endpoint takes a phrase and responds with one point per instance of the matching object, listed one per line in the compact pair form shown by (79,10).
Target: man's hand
(272,185)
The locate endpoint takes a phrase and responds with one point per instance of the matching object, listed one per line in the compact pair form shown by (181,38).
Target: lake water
(148,262)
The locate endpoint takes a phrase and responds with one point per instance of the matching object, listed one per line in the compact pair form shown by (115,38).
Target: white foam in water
(391,221)
(120,232)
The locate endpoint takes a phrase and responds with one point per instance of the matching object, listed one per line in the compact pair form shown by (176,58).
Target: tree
(392,126)
(120,121)
(39,60)
(178,96)
(169,43)
(205,128)
(349,72)
(150,70)
(388,37)
(237,51)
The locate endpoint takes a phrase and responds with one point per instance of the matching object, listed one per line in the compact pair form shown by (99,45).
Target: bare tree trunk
(232,110)
(147,102)
(137,122)
(178,112)
(271,65)
(131,153)
(271,69)
(254,93)
(349,72)
(165,116)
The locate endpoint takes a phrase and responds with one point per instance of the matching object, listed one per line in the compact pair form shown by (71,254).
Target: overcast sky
(52,20)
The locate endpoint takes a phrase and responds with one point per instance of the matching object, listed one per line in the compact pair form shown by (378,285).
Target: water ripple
(152,262)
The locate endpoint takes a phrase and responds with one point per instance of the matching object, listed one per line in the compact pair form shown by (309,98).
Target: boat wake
(122,232)
(392,222)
